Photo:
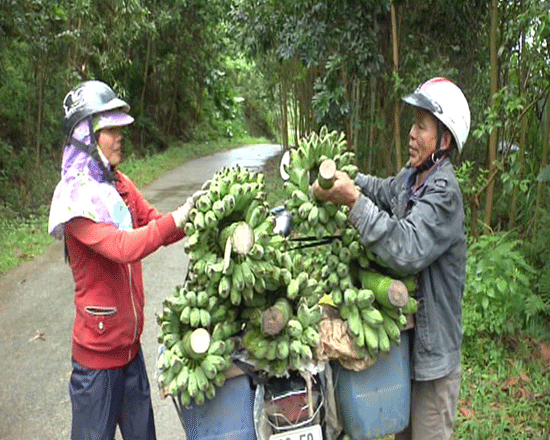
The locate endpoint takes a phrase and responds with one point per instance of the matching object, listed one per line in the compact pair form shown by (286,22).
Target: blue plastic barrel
(376,401)
(228,416)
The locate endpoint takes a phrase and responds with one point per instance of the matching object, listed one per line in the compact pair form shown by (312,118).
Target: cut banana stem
(197,342)
(327,172)
(242,239)
(276,317)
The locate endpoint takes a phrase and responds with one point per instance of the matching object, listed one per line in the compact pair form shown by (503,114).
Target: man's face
(110,142)
(422,137)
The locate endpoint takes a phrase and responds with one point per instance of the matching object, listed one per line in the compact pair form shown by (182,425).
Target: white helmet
(446,102)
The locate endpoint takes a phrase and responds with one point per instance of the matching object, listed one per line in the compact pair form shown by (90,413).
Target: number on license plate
(309,433)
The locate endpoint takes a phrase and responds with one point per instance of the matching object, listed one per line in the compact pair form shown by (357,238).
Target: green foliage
(168,60)
(520,178)
(22,239)
(498,284)
(503,393)
(328,102)
(318,47)
(544,175)
(538,305)
(472,179)
(503,114)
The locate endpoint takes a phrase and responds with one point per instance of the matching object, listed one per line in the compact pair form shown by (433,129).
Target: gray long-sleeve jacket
(421,232)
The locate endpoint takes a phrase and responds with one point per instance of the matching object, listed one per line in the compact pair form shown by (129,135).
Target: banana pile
(292,348)
(192,362)
(252,293)
(359,287)
(231,249)
(358,283)
(291,340)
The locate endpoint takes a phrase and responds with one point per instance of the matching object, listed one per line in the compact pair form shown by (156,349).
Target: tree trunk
(493,137)
(284,112)
(523,130)
(40,106)
(396,118)
(296,115)
(345,83)
(520,165)
(310,121)
(353,142)
(372,125)
(145,75)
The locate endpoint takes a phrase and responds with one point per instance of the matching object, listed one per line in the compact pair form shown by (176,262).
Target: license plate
(308,433)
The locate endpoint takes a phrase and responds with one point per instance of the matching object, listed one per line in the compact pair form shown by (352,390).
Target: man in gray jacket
(414,222)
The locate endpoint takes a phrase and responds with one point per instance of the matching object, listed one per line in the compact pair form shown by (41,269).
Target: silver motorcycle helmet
(87,99)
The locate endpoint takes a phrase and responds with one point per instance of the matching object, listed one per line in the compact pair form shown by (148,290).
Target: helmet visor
(423,101)
(115,118)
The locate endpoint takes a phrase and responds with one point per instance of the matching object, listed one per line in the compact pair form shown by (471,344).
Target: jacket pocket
(100,319)
(422,325)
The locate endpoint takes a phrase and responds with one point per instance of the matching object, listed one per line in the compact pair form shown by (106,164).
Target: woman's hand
(182,213)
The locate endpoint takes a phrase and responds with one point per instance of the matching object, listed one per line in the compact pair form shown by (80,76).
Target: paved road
(36,317)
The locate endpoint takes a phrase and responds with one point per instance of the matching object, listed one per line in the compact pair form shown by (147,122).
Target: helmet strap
(107,174)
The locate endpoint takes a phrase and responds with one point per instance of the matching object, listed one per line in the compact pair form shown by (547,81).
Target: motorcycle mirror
(283,221)
(285,162)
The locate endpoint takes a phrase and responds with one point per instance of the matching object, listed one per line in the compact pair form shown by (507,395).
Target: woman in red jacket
(108,227)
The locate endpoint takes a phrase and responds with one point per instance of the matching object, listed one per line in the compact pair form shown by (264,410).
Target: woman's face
(110,143)
(422,137)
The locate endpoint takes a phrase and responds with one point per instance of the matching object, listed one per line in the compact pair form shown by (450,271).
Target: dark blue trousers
(103,399)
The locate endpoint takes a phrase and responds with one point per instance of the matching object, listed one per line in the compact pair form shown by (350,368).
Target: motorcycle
(252,405)
(291,407)
(326,402)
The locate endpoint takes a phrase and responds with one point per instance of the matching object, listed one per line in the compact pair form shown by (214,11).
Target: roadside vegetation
(202,76)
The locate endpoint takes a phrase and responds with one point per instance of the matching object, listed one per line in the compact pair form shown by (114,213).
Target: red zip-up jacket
(107,271)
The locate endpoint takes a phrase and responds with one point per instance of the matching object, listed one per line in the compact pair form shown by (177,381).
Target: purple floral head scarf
(83,190)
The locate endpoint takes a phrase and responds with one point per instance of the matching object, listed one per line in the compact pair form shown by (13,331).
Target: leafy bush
(538,306)
(498,286)
(472,180)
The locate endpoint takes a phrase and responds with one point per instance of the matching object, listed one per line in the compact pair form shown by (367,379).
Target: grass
(22,239)
(505,391)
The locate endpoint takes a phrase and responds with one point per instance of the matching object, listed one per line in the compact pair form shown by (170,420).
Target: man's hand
(343,191)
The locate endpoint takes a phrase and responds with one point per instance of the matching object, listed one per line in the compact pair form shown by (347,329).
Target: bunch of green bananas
(374,305)
(311,215)
(293,342)
(357,281)
(292,348)
(193,362)
(230,238)
(231,249)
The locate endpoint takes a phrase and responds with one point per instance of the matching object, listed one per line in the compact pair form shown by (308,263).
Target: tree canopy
(192,69)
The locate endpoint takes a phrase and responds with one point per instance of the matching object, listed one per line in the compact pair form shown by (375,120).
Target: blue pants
(103,399)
